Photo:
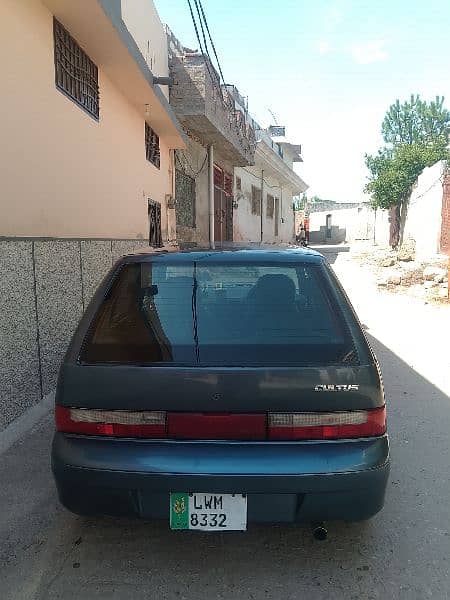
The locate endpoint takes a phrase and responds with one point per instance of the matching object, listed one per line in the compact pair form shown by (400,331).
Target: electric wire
(211,40)
(204,53)
(226,100)
(196,2)
(207,59)
(258,177)
(194,173)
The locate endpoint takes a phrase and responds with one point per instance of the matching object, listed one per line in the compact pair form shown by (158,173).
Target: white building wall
(381,226)
(144,24)
(359,223)
(246,225)
(423,220)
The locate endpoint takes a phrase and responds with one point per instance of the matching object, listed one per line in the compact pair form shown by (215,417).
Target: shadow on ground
(403,552)
(330,252)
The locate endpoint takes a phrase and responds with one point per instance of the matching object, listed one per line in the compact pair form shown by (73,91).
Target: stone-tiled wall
(44,287)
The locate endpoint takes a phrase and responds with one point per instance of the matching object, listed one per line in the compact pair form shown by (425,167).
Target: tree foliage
(416,121)
(417,136)
(394,172)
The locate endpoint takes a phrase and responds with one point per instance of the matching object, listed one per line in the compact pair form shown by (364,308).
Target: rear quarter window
(218,314)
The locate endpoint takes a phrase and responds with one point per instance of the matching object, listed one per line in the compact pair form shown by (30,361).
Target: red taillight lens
(114,423)
(324,426)
(216,426)
(222,426)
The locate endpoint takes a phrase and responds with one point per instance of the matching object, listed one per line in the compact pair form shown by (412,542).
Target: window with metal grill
(256,201)
(270,206)
(152,152)
(185,199)
(75,73)
(154,222)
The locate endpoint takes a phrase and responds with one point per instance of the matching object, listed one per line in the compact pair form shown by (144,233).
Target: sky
(328,70)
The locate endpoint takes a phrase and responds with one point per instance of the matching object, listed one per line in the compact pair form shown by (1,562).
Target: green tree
(416,121)
(417,136)
(394,172)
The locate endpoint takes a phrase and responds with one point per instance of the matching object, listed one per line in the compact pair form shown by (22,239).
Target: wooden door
(218,215)
(223,205)
(228,206)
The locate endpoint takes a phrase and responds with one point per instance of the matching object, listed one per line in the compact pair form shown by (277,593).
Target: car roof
(227,253)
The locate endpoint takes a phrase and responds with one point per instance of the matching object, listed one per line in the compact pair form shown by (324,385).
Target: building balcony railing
(206,109)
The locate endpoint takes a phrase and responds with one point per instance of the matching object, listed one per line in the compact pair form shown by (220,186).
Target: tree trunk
(403,208)
(394,226)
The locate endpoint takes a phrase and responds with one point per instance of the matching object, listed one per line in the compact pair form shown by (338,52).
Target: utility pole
(261,203)
(211,195)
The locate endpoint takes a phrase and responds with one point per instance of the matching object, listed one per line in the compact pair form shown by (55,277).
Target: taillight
(114,423)
(216,426)
(324,426)
(221,426)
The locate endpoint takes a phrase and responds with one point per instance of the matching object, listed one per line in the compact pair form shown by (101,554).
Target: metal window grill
(154,221)
(185,199)
(152,151)
(75,73)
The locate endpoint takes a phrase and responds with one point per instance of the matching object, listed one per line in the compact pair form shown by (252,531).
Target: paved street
(404,552)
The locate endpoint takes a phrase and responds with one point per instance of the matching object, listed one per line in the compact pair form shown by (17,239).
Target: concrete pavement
(404,552)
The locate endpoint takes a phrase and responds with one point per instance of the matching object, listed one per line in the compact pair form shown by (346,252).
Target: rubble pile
(400,271)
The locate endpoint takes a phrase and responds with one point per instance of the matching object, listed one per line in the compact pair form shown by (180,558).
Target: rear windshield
(219,315)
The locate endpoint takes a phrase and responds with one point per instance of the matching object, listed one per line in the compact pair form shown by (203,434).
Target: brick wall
(445,227)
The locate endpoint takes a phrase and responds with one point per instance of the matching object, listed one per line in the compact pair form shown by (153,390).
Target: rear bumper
(284,482)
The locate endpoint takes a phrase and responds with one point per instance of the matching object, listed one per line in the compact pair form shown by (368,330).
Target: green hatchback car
(218,388)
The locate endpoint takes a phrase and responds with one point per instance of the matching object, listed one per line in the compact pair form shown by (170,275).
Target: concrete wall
(247,226)
(424,217)
(143,22)
(330,205)
(381,227)
(351,224)
(339,224)
(44,289)
(423,220)
(57,163)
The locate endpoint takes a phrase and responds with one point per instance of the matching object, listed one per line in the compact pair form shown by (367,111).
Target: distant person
(302,236)
(307,229)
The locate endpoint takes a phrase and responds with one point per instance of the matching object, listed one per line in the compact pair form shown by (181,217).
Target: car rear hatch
(211,349)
